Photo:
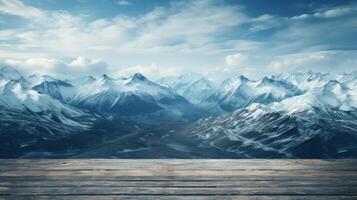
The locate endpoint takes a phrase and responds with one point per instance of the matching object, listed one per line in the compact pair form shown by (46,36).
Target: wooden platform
(178,179)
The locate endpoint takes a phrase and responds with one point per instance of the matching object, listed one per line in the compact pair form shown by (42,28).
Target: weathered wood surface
(178,179)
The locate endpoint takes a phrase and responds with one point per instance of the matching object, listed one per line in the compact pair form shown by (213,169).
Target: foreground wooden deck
(178,179)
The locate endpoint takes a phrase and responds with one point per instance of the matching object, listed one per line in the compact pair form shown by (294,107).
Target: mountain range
(289,115)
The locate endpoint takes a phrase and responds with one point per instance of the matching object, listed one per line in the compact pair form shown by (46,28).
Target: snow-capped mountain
(9,73)
(17,97)
(133,95)
(129,96)
(193,87)
(81,81)
(241,92)
(57,89)
(260,132)
(306,81)
(298,115)
(36,79)
(33,122)
(333,95)
(348,79)
(320,123)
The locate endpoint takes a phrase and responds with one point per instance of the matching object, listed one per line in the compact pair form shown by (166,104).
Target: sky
(159,38)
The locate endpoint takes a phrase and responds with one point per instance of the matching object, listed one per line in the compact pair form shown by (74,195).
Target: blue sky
(217,38)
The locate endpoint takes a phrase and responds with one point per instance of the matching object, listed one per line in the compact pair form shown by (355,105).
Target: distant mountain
(135,95)
(81,81)
(318,124)
(295,115)
(57,89)
(306,81)
(36,79)
(333,95)
(9,73)
(241,92)
(193,87)
(34,122)
(255,132)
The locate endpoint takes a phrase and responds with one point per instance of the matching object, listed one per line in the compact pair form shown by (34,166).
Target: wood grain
(178,179)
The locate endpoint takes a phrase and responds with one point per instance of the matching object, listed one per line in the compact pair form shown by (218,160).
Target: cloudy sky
(165,38)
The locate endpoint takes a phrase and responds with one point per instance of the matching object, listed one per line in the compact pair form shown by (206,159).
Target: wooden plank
(178,191)
(178,179)
(178,197)
(178,172)
(188,167)
(168,177)
(180,162)
(43,165)
(176,183)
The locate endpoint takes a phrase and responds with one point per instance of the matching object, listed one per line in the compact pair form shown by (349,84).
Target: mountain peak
(267,80)
(334,85)
(9,72)
(90,78)
(138,76)
(243,78)
(105,76)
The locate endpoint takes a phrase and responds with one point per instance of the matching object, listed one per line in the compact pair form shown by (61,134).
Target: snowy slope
(193,87)
(57,89)
(17,97)
(241,92)
(14,96)
(127,96)
(306,81)
(333,95)
(9,73)
(38,79)
(132,95)
(81,81)
(298,127)
(321,122)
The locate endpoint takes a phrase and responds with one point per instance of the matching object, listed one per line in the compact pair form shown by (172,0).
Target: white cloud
(296,61)
(151,71)
(193,23)
(236,60)
(123,2)
(16,7)
(264,22)
(329,12)
(336,12)
(59,68)
(197,35)
(324,61)
(160,30)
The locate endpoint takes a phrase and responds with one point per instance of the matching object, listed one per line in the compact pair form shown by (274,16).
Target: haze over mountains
(296,115)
